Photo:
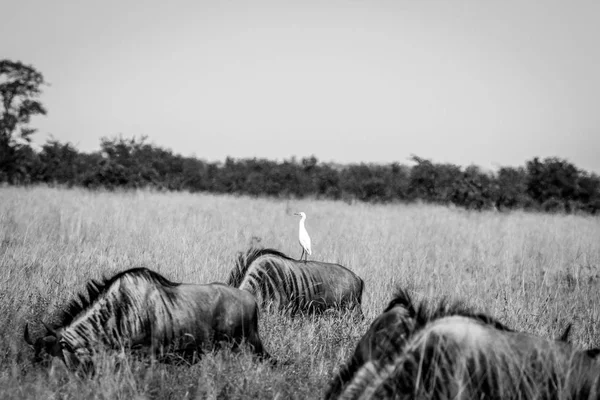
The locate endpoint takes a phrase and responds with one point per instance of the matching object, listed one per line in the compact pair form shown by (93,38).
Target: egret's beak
(296,213)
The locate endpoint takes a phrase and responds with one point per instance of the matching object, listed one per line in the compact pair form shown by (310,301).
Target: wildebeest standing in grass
(296,286)
(449,352)
(140,308)
(388,333)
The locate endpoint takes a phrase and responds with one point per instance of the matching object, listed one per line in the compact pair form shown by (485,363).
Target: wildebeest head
(46,346)
(51,345)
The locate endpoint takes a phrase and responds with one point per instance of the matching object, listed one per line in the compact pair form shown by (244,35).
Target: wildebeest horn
(49,329)
(26,335)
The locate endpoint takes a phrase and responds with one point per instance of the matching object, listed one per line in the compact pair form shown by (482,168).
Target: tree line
(551,184)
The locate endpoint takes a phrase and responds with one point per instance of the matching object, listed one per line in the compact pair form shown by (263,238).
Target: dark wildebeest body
(139,308)
(296,286)
(449,352)
(388,333)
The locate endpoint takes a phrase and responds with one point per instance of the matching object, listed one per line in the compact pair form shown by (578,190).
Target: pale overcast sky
(490,82)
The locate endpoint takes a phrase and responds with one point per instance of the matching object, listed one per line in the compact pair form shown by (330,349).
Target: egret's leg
(301,255)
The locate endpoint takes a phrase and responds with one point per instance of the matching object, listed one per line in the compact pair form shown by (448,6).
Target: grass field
(534,272)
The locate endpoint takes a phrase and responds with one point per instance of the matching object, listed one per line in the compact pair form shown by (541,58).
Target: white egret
(303,237)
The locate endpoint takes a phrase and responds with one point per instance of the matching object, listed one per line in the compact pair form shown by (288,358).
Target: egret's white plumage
(303,237)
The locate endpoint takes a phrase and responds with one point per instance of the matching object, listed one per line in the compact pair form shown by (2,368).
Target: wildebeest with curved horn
(451,352)
(296,286)
(140,308)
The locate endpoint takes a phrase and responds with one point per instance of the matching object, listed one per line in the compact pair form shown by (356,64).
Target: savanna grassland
(534,272)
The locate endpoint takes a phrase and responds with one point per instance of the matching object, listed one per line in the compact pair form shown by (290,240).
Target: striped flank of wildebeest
(141,309)
(296,286)
(450,352)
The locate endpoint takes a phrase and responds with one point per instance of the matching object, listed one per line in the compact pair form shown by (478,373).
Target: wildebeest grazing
(296,286)
(140,308)
(450,352)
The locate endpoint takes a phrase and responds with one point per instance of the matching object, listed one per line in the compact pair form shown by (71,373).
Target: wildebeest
(448,351)
(141,309)
(388,333)
(296,286)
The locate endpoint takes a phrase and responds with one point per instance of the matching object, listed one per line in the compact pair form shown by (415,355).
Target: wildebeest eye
(66,346)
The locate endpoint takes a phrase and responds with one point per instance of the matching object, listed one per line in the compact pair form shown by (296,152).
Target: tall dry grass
(534,272)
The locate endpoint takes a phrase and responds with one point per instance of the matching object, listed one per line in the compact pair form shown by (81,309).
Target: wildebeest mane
(244,260)
(426,312)
(95,289)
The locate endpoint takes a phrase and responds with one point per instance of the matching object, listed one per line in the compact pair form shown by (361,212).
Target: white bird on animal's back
(303,237)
